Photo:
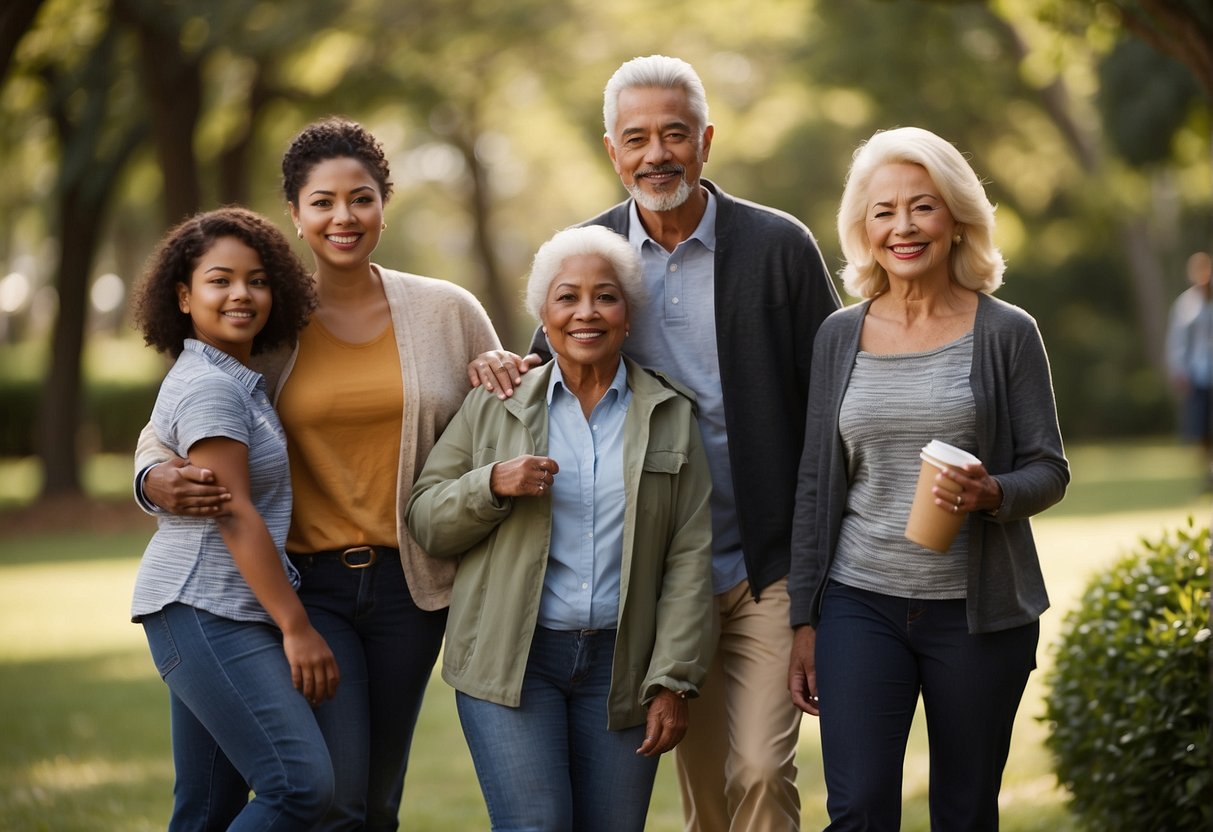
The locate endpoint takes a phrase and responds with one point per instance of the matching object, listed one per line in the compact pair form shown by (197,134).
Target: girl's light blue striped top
(207,394)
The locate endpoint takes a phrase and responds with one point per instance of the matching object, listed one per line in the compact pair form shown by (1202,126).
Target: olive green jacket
(664,635)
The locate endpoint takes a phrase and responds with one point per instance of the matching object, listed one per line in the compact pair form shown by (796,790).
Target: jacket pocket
(664,462)
(658,481)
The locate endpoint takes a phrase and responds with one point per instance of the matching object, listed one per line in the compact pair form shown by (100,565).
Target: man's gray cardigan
(772,292)
(1018,440)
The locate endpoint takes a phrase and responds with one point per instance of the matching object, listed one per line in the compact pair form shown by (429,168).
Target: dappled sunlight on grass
(47,780)
(86,738)
(92,609)
(1114,477)
(85,717)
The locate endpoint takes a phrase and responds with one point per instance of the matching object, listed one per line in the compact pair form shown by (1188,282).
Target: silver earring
(383,227)
(956,239)
(299,231)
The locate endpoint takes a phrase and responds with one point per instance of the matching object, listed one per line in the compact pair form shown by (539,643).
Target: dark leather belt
(355,557)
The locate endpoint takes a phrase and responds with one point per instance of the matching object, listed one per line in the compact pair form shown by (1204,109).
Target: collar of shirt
(251,379)
(705,232)
(619,386)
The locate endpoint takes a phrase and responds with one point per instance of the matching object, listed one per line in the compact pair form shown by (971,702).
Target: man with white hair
(736,293)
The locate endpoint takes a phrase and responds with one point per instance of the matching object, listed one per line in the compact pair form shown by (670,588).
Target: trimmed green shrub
(1129,702)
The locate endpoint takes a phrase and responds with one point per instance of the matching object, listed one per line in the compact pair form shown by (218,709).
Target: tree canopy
(1090,123)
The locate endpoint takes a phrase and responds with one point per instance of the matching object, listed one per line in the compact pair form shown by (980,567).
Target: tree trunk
(16,18)
(1148,280)
(87,174)
(59,424)
(498,300)
(235,158)
(173,82)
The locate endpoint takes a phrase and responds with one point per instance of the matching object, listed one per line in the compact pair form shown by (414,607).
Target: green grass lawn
(84,720)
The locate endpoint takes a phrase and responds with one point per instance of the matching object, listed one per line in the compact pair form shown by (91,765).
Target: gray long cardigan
(1017,438)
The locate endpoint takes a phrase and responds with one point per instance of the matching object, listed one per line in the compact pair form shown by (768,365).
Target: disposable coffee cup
(931,526)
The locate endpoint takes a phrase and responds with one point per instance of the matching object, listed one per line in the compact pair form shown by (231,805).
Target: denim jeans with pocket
(551,765)
(238,723)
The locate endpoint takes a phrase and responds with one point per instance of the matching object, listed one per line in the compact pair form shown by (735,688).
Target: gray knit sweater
(1017,438)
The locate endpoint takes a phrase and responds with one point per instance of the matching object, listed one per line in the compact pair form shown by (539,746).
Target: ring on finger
(956,509)
(958,499)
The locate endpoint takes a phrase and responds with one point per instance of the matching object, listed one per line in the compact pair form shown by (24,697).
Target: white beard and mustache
(665,201)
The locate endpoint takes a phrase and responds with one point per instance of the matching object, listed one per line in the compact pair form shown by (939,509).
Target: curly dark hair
(154,303)
(333,138)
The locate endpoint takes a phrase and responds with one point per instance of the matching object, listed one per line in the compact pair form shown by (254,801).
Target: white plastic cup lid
(941,452)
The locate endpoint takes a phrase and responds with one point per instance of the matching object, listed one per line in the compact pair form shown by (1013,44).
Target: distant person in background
(1190,356)
(216,595)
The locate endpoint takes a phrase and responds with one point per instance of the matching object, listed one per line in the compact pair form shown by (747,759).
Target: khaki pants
(737,763)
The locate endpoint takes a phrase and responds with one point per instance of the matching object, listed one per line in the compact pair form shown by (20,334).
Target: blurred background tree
(1090,122)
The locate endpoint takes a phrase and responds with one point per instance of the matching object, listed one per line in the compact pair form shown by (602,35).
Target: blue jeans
(551,765)
(385,648)
(237,723)
(875,655)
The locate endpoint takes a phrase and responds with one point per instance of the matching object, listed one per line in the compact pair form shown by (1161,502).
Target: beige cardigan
(440,328)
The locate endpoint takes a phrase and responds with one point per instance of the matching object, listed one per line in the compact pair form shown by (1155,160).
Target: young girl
(216,596)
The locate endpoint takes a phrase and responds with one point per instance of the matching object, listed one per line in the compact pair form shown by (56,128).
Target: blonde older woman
(880,620)
(581,613)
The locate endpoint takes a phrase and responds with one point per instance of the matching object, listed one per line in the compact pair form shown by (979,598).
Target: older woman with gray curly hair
(581,614)
(880,619)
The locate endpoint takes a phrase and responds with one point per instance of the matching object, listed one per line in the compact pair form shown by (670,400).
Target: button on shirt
(581,585)
(207,394)
(675,332)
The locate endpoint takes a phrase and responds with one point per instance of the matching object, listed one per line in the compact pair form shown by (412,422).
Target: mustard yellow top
(343,408)
(439,327)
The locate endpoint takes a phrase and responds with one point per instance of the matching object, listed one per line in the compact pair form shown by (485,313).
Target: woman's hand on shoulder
(523,476)
(666,724)
(180,487)
(500,371)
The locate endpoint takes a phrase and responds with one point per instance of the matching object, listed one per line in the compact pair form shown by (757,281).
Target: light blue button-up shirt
(206,394)
(581,585)
(675,332)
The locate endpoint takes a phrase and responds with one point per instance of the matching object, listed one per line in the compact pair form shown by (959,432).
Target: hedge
(1129,701)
